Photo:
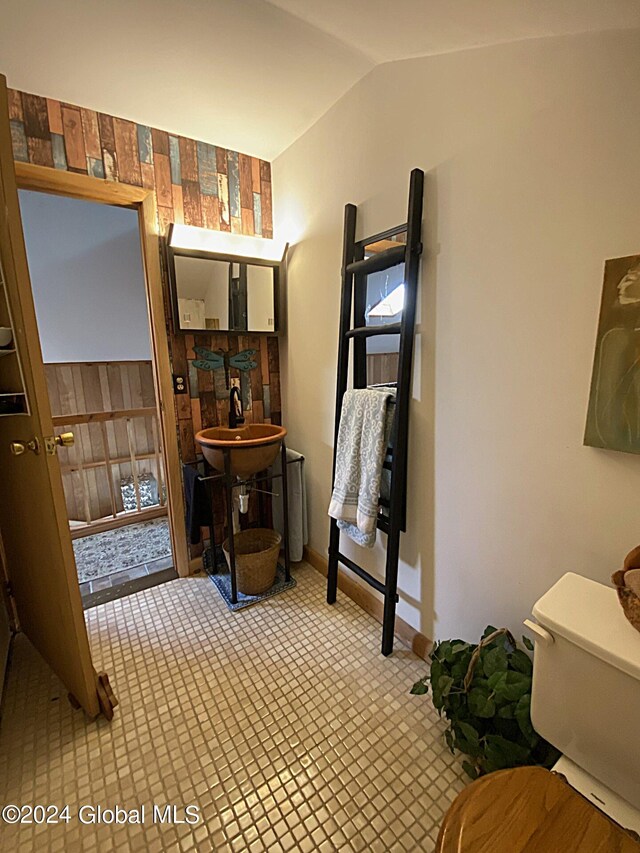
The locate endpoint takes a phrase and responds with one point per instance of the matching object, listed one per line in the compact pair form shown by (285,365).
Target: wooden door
(33,521)
(6,621)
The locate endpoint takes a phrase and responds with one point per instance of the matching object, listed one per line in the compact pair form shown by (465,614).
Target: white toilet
(585,699)
(586,693)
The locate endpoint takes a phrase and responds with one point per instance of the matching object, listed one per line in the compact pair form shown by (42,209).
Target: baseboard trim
(196,566)
(371,604)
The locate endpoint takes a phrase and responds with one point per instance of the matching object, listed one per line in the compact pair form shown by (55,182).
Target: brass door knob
(53,442)
(65,439)
(19,447)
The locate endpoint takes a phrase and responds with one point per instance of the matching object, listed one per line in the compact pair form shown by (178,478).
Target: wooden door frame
(87,188)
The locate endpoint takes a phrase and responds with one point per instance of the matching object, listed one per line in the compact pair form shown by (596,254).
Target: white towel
(363,436)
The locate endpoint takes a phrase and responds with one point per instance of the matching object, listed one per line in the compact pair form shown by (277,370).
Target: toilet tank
(586,682)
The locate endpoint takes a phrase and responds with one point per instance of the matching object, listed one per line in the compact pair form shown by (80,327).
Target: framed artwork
(613,418)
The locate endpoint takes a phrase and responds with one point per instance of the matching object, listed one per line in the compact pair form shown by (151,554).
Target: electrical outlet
(179,383)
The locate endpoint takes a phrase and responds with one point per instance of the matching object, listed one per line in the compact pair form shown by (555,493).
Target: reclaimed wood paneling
(207,171)
(108,145)
(40,151)
(223,198)
(36,118)
(54,113)
(267,215)
(246,181)
(91,134)
(221,160)
(126,143)
(74,139)
(194,182)
(15,105)
(210,207)
(162,167)
(188,159)
(160,141)
(191,203)
(82,388)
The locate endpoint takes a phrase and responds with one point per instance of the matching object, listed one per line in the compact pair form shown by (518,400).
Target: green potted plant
(484,691)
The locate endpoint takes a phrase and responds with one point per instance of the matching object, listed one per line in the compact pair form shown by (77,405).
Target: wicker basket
(257,552)
(631,605)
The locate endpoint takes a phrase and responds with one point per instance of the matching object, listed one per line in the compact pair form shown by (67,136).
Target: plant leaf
(419,688)
(470,770)
(445,683)
(488,630)
(448,736)
(469,733)
(521,662)
(481,704)
(495,660)
(503,753)
(526,642)
(510,685)
(523,717)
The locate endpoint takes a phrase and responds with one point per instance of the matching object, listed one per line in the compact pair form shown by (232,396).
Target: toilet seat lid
(528,810)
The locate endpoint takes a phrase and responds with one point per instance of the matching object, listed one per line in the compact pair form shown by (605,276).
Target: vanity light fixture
(391,305)
(192,238)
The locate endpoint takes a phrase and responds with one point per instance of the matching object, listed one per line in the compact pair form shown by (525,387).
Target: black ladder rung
(383,502)
(371,331)
(356,569)
(387,465)
(389,234)
(379,261)
(382,523)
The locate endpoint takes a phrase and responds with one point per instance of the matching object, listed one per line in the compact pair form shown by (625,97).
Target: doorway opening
(88,282)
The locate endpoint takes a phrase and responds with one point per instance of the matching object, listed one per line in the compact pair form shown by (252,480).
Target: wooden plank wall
(382,367)
(79,388)
(194,182)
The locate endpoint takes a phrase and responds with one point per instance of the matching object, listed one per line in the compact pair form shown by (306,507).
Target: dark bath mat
(221,579)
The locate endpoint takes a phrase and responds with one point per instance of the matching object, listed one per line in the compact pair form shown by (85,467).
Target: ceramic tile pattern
(282,723)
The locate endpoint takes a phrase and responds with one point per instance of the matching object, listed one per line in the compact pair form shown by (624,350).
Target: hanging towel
(298,535)
(362,442)
(197,501)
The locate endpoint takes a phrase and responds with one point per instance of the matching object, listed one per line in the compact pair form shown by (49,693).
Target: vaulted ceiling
(253,75)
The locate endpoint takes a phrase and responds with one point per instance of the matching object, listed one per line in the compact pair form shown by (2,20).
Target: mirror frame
(276,266)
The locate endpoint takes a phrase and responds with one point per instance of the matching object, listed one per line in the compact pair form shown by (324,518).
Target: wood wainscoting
(110,408)
(371,604)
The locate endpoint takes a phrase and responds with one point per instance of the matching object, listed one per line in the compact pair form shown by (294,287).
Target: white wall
(88,285)
(260,307)
(533,179)
(208,281)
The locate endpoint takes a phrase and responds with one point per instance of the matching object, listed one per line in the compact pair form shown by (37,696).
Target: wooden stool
(528,810)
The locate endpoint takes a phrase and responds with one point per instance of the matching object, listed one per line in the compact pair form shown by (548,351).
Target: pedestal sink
(253,447)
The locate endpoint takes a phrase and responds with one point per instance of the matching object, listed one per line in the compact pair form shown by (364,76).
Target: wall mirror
(214,292)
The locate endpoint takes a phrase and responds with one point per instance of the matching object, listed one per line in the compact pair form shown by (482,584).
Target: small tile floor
(282,723)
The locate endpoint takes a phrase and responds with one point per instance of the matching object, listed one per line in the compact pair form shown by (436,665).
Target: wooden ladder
(356,266)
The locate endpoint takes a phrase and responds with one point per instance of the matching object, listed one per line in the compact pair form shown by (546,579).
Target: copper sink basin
(253,447)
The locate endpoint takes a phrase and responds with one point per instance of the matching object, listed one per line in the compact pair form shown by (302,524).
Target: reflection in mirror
(385,299)
(223,295)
